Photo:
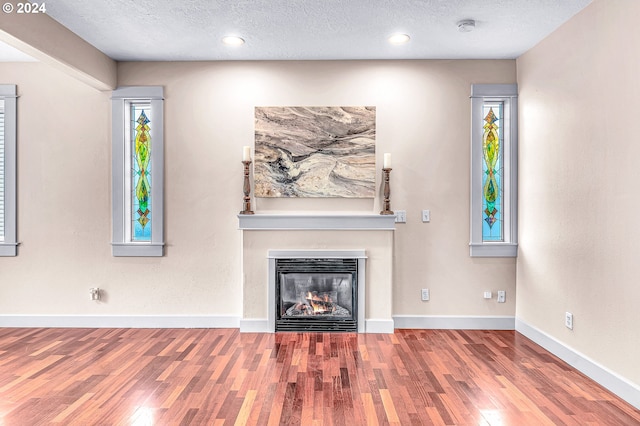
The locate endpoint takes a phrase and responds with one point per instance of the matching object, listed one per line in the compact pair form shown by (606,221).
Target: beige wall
(579,203)
(64,184)
(423,114)
(63,194)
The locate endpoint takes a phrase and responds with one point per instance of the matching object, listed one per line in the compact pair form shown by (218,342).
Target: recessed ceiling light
(233,40)
(399,39)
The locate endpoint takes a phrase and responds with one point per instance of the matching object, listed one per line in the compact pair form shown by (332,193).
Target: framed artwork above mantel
(308,151)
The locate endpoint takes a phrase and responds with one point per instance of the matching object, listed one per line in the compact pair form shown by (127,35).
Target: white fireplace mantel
(314,221)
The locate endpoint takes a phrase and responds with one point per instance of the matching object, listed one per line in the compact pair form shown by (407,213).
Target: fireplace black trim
(319,324)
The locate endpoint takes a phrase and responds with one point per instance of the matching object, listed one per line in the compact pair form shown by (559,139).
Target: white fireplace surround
(366,237)
(317,254)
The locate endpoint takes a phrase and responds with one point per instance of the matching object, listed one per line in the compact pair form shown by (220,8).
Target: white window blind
(2,170)
(8,231)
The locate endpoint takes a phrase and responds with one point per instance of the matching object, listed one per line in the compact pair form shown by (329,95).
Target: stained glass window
(141,172)
(492,172)
(137,171)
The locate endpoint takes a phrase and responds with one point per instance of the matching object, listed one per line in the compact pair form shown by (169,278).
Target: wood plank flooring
(222,377)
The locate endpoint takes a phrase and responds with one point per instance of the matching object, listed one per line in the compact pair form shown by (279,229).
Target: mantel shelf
(315,221)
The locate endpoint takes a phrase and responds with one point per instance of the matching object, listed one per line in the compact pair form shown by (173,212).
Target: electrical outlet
(401,216)
(568,320)
(502,296)
(426,216)
(95,293)
(425,294)
(487,295)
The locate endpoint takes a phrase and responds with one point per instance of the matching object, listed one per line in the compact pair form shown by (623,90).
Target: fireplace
(316,294)
(317,290)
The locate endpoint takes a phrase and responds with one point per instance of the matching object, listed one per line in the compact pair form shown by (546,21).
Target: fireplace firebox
(316,294)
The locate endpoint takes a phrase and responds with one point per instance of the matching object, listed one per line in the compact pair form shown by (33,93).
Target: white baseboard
(450,322)
(255,326)
(160,321)
(262,326)
(622,387)
(378,326)
(120,321)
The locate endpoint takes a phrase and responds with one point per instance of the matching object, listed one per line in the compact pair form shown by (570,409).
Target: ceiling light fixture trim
(399,38)
(233,40)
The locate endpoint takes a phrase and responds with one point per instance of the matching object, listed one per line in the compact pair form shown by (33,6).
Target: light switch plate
(425,294)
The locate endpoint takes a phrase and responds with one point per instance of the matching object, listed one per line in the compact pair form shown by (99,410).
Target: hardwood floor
(219,376)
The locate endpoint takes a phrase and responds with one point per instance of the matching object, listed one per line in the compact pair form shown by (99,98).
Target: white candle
(387,161)
(246,153)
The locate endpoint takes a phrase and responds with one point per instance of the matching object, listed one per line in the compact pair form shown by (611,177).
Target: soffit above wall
(11,54)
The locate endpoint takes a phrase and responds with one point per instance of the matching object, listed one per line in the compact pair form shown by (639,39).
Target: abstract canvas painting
(315,151)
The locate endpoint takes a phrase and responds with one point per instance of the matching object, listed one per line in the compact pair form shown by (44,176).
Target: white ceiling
(170,30)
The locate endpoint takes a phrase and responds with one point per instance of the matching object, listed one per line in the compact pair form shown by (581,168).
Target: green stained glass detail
(492,176)
(142,176)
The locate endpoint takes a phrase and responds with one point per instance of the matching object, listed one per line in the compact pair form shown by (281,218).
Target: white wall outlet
(568,320)
(426,216)
(502,296)
(95,293)
(401,216)
(425,294)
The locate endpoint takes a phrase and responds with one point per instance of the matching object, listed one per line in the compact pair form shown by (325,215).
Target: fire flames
(320,304)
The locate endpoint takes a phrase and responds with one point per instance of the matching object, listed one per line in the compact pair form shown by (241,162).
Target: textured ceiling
(164,30)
